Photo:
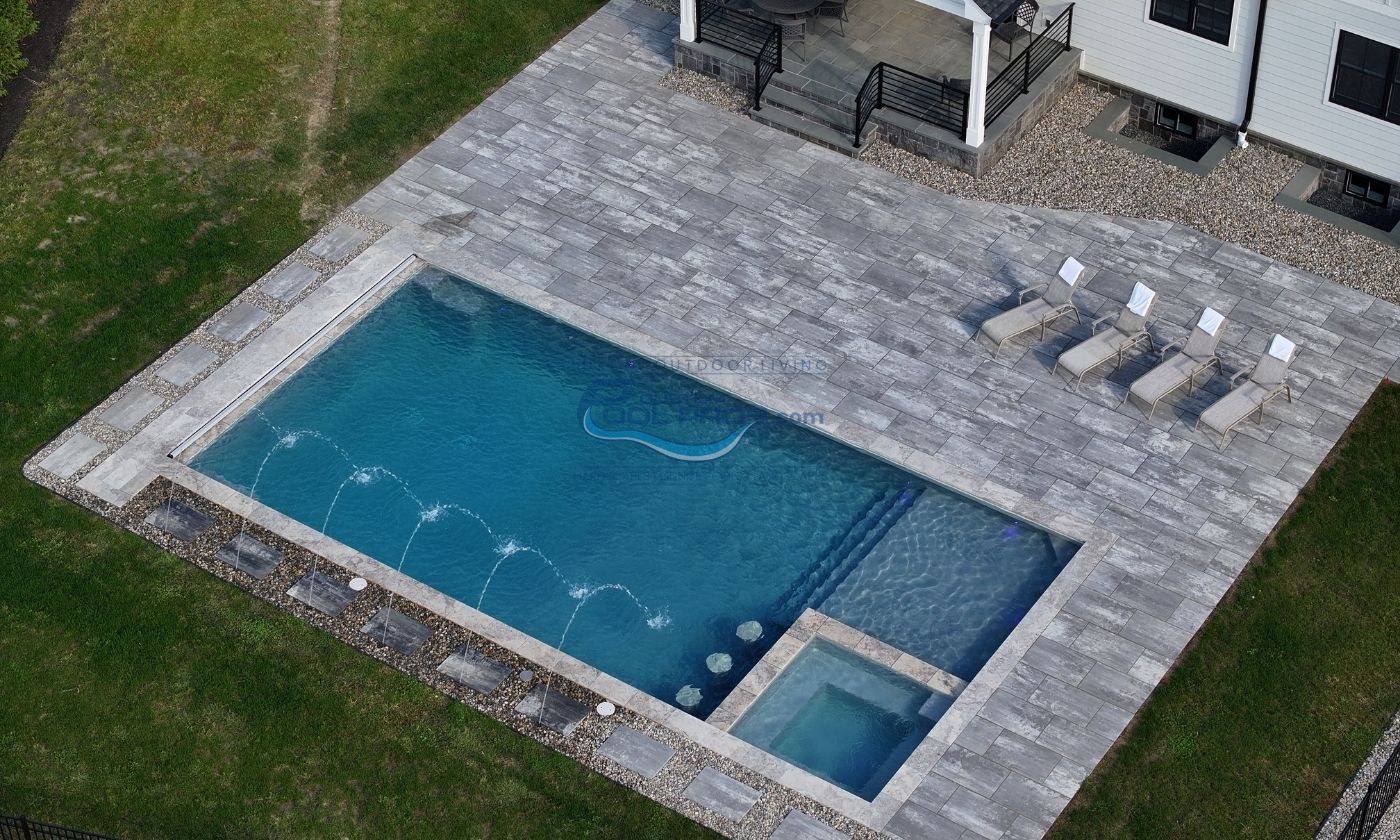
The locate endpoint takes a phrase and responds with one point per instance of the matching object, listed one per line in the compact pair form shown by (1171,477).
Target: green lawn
(167,165)
(1290,684)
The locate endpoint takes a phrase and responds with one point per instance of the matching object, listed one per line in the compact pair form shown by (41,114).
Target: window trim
(1229,45)
(1180,112)
(1389,187)
(1335,57)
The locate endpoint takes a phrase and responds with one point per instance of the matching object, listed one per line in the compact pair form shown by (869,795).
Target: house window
(1210,19)
(1368,189)
(1367,77)
(1176,120)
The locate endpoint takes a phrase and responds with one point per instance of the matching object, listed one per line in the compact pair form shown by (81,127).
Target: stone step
(839,119)
(822,135)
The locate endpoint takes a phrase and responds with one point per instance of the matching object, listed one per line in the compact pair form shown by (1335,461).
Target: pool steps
(847,549)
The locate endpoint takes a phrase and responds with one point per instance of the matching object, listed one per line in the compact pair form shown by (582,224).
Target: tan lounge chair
(1054,301)
(1267,379)
(1195,357)
(1127,332)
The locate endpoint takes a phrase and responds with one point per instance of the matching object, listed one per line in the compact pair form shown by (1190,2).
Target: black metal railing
(759,39)
(1014,81)
(1379,796)
(22,828)
(909,93)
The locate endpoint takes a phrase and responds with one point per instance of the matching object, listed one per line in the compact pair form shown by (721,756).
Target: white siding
(1122,46)
(1295,76)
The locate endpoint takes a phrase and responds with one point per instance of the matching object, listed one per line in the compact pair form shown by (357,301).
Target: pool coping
(341,299)
(814,624)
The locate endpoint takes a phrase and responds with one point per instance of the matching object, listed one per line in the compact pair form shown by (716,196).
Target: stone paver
(238,322)
(187,364)
(323,593)
(638,752)
(722,794)
(132,408)
(340,243)
(798,826)
(553,709)
(179,520)
(474,669)
(250,555)
(288,283)
(393,629)
(72,455)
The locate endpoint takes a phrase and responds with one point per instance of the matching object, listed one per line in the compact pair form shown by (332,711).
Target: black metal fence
(22,828)
(909,93)
(745,34)
(1379,797)
(1014,81)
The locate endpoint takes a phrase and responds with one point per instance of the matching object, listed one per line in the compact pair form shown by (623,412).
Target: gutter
(1242,137)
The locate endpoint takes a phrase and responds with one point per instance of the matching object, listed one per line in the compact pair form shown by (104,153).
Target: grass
(1290,683)
(167,164)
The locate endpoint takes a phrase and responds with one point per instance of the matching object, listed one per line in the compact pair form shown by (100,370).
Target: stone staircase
(810,118)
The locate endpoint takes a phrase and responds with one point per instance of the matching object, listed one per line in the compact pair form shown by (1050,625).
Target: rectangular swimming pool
(613,508)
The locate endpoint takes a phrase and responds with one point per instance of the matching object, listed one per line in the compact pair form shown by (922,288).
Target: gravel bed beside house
(1057,165)
(706,89)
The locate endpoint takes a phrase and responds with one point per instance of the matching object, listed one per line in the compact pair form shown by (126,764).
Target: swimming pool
(613,508)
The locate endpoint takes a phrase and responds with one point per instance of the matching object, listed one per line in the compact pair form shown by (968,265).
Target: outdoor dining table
(788,7)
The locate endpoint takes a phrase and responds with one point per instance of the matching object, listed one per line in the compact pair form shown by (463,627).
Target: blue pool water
(445,434)
(842,717)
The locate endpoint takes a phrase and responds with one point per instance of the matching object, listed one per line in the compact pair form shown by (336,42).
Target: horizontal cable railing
(745,34)
(1380,794)
(22,828)
(1015,79)
(909,93)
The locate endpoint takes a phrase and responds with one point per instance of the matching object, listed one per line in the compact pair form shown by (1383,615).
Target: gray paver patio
(682,231)
(724,238)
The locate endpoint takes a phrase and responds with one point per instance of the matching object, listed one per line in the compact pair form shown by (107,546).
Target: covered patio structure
(940,77)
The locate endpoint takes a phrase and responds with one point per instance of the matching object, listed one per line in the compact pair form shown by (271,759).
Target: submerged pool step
(797,595)
(846,551)
(902,503)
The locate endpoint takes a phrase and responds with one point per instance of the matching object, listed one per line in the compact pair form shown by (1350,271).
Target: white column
(977,94)
(688,20)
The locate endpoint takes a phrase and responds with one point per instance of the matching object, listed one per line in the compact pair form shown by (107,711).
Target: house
(1317,79)
(961,80)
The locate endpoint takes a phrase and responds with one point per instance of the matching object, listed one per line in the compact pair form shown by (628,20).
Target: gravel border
(1389,826)
(707,89)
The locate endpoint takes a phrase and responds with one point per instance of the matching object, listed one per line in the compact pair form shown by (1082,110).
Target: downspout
(1242,138)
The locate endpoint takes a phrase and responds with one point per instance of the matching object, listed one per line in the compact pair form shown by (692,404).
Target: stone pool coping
(812,624)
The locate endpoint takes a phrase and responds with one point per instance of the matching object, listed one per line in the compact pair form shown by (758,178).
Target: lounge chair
(1127,332)
(1267,379)
(1195,357)
(1054,301)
